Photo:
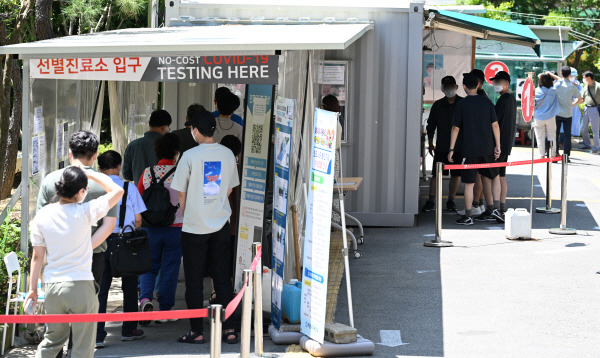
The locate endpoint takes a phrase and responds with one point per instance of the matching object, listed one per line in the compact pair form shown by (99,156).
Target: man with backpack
(205,178)
(162,221)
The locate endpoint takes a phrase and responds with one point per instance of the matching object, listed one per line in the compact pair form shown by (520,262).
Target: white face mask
(192,131)
(450,93)
(573,78)
(498,88)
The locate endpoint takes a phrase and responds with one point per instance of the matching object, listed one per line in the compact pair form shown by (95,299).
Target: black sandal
(213,298)
(227,340)
(191,338)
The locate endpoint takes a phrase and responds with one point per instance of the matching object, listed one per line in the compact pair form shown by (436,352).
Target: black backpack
(159,211)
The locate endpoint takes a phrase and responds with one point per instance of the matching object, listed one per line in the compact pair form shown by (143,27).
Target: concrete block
(340,333)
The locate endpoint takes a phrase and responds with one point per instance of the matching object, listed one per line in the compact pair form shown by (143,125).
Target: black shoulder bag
(593,99)
(129,250)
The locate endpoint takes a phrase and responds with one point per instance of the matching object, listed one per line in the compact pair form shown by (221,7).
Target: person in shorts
(506,112)
(440,122)
(475,117)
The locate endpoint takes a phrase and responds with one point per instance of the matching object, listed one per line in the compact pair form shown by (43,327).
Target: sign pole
(527,109)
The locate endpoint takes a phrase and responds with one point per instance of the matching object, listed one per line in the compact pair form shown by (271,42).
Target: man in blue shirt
(566,91)
(219,93)
(110,164)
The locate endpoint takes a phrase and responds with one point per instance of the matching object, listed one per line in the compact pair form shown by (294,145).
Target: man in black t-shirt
(475,117)
(506,111)
(440,123)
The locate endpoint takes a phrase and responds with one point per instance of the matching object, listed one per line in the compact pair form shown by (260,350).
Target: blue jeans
(165,251)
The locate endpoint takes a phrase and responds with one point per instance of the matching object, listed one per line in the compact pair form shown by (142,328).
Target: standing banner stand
(284,113)
(318,225)
(528,108)
(563,230)
(257,128)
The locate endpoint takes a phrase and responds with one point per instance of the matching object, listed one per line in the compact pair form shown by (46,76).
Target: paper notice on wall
(42,165)
(131,122)
(66,139)
(59,140)
(38,121)
(260,108)
(35,155)
(332,74)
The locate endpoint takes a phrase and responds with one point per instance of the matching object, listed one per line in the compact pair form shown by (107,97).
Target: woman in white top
(62,232)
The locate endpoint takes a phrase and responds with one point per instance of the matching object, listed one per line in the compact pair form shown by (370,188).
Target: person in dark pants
(440,122)
(568,97)
(205,177)
(506,112)
(110,164)
(83,151)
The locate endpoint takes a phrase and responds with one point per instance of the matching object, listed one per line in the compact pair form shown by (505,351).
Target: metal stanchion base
(545,210)
(441,243)
(563,231)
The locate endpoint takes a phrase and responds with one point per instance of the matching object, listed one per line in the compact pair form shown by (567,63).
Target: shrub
(10,240)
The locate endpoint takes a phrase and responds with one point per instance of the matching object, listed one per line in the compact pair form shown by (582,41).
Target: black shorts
(440,157)
(502,159)
(469,176)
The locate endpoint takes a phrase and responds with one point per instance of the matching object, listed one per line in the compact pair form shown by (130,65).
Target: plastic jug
(517,224)
(290,301)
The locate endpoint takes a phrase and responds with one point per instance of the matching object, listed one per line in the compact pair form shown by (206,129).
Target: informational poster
(259,69)
(284,114)
(257,129)
(66,139)
(333,81)
(318,225)
(38,154)
(38,121)
(60,141)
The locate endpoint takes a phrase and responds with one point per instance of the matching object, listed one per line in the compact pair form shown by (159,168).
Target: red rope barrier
(500,165)
(231,307)
(128,316)
(104,317)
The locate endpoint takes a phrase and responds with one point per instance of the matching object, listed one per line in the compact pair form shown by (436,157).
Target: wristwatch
(452,149)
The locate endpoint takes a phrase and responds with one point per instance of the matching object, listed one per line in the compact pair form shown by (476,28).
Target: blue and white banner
(318,225)
(257,128)
(284,113)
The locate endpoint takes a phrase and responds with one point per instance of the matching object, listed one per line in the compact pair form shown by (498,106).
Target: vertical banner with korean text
(284,113)
(318,225)
(257,129)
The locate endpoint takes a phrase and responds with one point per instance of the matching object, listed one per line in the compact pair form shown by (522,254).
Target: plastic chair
(11,260)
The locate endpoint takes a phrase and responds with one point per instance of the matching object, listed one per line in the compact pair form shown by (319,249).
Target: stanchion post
(246,315)
(548,209)
(438,242)
(216,327)
(258,315)
(563,230)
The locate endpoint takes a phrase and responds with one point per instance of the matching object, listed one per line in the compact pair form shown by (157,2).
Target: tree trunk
(14,128)
(43,23)
(578,54)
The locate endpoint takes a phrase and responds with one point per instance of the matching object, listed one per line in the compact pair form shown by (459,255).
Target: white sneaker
(475,211)
(482,208)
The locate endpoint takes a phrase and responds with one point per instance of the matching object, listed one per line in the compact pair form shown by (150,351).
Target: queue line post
(438,242)
(548,209)
(216,328)
(563,230)
(258,314)
(246,314)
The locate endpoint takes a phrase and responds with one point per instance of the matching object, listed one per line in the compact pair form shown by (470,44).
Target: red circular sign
(528,100)
(492,68)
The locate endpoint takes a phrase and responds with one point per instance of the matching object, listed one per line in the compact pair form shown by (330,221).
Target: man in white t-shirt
(205,177)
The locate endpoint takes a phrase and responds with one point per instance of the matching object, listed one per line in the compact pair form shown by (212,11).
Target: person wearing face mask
(61,233)
(440,122)
(165,244)
(506,112)
(576,119)
(186,141)
(568,97)
(475,117)
(591,99)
